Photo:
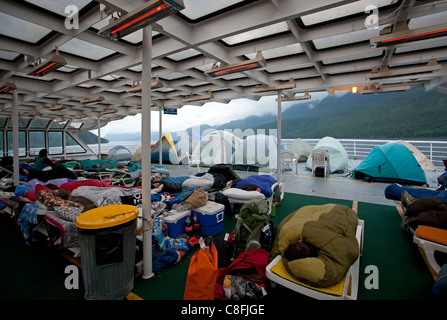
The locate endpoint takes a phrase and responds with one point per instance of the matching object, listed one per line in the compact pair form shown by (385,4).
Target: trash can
(108,241)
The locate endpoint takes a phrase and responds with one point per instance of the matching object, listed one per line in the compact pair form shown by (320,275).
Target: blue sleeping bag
(264,182)
(394,192)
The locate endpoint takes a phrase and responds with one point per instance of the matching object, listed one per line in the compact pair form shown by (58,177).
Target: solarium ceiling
(320,44)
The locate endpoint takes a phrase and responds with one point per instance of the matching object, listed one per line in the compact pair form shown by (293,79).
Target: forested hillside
(410,114)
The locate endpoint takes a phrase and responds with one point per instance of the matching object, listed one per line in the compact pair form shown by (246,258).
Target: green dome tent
(338,155)
(301,148)
(391,162)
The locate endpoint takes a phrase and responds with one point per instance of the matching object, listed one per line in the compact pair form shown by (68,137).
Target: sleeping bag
(331,228)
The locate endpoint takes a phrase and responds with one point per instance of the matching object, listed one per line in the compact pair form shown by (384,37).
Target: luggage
(211,218)
(202,273)
(254,227)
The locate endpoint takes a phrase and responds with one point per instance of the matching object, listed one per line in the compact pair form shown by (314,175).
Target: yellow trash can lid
(107,216)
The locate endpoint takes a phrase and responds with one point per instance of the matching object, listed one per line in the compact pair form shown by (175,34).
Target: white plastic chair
(193,160)
(320,158)
(289,157)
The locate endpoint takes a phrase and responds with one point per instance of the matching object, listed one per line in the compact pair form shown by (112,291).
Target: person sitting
(42,161)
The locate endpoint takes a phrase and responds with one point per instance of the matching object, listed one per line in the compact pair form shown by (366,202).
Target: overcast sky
(211,113)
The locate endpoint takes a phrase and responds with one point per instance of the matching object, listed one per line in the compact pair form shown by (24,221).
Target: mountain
(411,114)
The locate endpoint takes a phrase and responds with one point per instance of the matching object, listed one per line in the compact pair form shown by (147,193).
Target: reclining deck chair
(347,289)
(238,196)
(431,241)
(320,158)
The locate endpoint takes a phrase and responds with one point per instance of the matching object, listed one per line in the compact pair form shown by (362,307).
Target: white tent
(216,147)
(257,151)
(421,158)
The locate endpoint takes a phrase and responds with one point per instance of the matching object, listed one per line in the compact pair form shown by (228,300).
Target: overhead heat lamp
(7,87)
(224,69)
(384,72)
(136,86)
(306,96)
(353,89)
(263,88)
(192,98)
(376,89)
(402,34)
(58,108)
(50,65)
(148,13)
(92,100)
(108,111)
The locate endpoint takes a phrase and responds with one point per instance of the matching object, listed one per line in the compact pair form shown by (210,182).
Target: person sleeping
(318,243)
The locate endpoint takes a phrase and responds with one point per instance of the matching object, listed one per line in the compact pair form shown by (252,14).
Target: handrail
(359,149)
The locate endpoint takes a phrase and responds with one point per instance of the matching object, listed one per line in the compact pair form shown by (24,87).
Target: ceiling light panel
(85,49)
(290,49)
(344,39)
(257,33)
(195,9)
(20,29)
(342,11)
(59,6)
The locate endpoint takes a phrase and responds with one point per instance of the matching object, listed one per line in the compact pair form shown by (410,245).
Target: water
(105,147)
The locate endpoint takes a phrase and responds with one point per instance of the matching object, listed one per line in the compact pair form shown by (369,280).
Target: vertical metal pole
(278,125)
(99,138)
(160,160)
(15,136)
(146,152)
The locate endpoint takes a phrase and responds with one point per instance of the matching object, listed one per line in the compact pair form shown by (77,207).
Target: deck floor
(335,186)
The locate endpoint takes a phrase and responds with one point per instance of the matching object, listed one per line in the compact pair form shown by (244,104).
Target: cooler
(175,220)
(108,244)
(211,218)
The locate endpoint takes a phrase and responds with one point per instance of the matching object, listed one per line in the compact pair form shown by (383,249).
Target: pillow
(240,194)
(440,287)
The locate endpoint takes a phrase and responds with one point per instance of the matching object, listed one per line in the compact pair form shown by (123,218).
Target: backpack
(254,228)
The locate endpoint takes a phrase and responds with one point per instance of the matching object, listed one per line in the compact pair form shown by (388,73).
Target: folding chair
(347,289)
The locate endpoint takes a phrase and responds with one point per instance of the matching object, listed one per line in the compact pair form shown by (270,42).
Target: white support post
(146,152)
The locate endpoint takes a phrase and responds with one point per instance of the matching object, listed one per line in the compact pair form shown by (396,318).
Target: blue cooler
(211,218)
(175,220)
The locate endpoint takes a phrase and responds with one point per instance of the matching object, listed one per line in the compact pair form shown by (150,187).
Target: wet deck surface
(336,186)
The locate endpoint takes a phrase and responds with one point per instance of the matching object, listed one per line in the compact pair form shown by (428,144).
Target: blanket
(425,211)
(98,194)
(264,182)
(330,228)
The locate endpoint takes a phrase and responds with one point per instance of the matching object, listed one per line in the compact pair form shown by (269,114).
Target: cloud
(212,113)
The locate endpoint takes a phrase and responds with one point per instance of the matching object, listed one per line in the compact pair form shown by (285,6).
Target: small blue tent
(391,162)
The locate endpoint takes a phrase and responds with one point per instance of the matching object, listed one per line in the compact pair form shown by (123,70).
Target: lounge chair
(347,289)
(267,184)
(431,241)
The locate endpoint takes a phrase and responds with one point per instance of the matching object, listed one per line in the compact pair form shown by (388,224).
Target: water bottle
(195,223)
(273,213)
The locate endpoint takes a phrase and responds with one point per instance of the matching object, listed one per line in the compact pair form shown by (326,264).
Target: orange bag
(202,273)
